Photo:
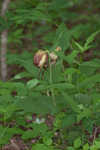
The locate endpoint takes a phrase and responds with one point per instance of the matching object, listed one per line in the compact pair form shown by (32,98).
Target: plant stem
(51,81)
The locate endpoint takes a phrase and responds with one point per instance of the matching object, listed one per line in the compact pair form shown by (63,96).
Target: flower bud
(58,49)
(53,56)
(41,59)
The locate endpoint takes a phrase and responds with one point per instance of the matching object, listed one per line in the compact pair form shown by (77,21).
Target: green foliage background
(69,90)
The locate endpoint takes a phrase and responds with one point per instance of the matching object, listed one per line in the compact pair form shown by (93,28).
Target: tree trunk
(4,43)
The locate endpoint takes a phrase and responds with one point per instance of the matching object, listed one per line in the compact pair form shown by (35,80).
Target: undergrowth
(56,107)
(69,95)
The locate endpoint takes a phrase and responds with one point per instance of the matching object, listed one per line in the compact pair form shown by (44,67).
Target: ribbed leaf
(43,104)
(62,37)
(89,67)
(70,101)
(71,57)
(90,81)
(79,46)
(22,75)
(90,39)
(32,83)
(68,121)
(60,86)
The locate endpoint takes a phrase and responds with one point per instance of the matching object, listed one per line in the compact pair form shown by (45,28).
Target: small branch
(4,35)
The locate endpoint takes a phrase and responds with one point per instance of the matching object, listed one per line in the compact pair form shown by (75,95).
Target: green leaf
(37,130)
(97,144)
(42,147)
(86,113)
(70,148)
(7,134)
(22,75)
(89,67)
(68,121)
(93,63)
(84,99)
(77,143)
(40,129)
(60,86)
(89,82)
(71,102)
(59,4)
(32,83)
(71,57)
(47,140)
(81,48)
(38,104)
(62,37)
(86,147)
(93,147)
(29,134)
(43,104)
(90,39)
(71,71)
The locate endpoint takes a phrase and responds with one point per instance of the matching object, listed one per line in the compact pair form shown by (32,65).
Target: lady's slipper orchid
(41,59)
